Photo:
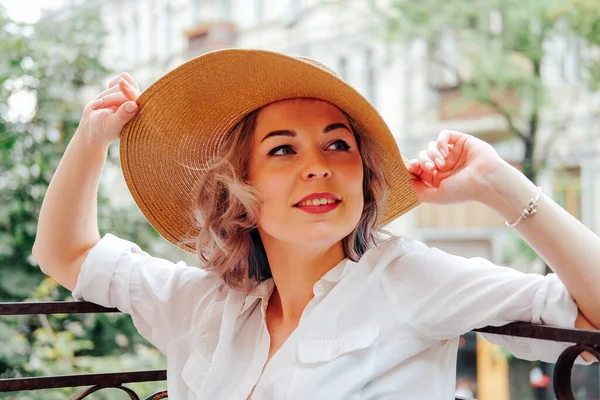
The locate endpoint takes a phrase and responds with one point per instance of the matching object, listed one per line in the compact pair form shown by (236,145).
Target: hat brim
(183,116)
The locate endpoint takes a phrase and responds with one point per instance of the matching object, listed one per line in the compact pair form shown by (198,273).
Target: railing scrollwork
(564,366)
(131,393)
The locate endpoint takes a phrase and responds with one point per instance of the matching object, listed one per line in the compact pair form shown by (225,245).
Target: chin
(311,234)
(322,236)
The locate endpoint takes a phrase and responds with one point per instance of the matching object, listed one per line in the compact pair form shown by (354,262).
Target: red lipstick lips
(313,207)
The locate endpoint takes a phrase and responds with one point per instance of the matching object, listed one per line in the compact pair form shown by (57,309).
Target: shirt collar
(331,278)
(264,290)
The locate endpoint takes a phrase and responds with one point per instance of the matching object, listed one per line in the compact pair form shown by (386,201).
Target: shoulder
(396,248)
(399,256)
(150,274)
(400,245)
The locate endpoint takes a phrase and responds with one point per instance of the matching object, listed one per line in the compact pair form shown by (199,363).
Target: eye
(281,151)
(340,145)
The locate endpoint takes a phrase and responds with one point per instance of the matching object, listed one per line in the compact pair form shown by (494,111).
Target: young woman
(279,176)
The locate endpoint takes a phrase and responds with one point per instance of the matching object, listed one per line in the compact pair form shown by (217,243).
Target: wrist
(89,144)
(507,191)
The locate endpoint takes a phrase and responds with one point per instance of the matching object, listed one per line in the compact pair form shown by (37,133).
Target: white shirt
(384,327)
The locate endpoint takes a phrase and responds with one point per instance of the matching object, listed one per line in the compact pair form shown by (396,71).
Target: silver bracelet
(528,211)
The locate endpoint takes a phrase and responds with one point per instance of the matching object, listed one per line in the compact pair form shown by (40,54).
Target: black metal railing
(95,381)
(584,340)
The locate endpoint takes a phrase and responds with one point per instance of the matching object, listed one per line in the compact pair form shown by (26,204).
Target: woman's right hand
(105,116)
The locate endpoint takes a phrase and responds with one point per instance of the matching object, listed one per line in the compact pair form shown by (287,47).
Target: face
(304,153)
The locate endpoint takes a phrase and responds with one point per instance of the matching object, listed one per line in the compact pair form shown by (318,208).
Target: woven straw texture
(182,119)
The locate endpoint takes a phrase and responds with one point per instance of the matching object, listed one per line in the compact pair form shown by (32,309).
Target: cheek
(352,173)
(273,189)
(354,183)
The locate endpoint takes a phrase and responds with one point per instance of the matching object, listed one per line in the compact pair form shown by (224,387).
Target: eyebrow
(290,133)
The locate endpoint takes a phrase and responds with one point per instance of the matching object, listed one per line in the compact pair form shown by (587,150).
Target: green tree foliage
(584,19)
(502,45)
(54,63)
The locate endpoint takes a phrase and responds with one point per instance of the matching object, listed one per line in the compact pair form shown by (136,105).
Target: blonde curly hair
(227,209)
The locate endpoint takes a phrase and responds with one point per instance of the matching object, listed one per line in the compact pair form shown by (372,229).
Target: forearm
(568,247)
(68,224)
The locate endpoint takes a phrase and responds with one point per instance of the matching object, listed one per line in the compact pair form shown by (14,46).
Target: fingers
(126,77)
(133,92)
(452,140)
(434,153)
(110,90)
(444,142)
(433,164)
(426,163)
(435,156)
(116,121)
(111,100)
(416,168)
(439,152)
(115,97)
(114,85)
(448,137)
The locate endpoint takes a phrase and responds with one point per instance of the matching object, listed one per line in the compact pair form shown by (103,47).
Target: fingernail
(97,103)
(439,162)
(444,152)
(131,107)
(429,165)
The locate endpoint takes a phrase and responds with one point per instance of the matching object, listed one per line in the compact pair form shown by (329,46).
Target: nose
(316,167)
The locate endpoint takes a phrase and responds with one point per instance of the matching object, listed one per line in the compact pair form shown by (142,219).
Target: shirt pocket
(335,367)
(323,350)
(195,371)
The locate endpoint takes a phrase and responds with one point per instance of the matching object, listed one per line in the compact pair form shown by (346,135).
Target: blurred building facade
(150,37)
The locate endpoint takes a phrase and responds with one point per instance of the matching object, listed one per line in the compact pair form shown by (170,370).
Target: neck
(295,270)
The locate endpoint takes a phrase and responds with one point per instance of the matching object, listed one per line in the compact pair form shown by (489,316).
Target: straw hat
(182,119)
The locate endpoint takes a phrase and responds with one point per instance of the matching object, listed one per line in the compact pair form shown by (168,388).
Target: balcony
(585,340)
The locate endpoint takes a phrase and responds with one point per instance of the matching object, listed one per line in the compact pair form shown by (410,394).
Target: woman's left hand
(454,169)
